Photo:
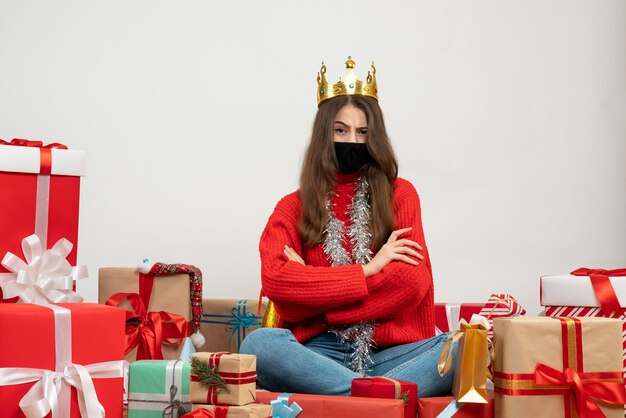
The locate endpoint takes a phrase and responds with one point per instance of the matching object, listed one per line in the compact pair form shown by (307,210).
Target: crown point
(350,64)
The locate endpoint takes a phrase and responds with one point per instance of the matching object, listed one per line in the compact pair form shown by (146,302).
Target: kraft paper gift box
(384,387)
(324,406)
(558,367)
(233,378)
(169,293)
(447,406)
(226,322)
(224,411)
(77,345)
(448,315)
(158,388)
(40,193)
(587,293)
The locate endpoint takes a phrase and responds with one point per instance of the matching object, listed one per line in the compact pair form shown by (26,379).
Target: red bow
(586,388)
(602,287)
(149,330)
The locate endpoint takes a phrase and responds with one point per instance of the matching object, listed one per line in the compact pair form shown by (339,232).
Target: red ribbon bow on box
(602,287)
(220,412)
(586,388)
(45,151)
(149,330)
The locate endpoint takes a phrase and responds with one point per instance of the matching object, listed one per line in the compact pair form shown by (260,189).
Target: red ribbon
(153,329)
(45,151)
(585,388)
(219,412)
(602,287)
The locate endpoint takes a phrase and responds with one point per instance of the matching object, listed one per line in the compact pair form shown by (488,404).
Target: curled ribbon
(46,276)
(282,409)
(585,387)
(445,359)
(149,330)
(602,287)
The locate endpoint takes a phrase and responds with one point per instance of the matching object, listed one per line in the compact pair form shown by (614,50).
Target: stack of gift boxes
(60,357)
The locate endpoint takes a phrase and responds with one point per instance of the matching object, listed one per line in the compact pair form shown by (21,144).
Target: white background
(507,116)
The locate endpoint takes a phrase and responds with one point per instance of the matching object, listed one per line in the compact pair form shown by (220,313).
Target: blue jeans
(320,365)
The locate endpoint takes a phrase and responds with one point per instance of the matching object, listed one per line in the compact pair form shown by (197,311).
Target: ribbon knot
(45,276)
(149,330)
(587,388)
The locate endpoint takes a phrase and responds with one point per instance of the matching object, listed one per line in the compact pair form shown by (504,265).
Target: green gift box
(158,388)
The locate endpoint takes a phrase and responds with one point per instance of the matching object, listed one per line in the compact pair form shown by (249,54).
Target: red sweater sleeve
(398,284)
(298,291)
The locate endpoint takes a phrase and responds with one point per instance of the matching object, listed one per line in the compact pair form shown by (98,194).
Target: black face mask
(351,156)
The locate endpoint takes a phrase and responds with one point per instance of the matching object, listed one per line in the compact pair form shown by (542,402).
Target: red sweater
(312,298)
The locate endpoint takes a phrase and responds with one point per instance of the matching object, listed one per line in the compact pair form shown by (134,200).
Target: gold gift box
(170,293)
(237,373)
(580,345)
(244,411)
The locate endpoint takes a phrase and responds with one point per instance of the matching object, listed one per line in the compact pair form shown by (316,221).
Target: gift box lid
(21,159)
(570,290)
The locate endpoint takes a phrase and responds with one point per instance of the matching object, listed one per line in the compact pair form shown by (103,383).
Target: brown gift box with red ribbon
(160,298)
(40,194)
(221,411)
(384,387)
(558,367)
(232,376)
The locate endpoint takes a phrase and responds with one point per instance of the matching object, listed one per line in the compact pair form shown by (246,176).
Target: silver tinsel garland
(360,334)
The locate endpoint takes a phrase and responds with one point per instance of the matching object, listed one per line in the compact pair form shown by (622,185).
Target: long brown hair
(320,167)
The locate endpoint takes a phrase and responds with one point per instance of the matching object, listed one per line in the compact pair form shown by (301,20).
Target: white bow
(43,397)
(46,276)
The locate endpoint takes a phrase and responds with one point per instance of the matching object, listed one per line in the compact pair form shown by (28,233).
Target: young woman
(345,263)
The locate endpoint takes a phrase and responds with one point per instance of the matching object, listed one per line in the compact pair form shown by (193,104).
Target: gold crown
(346,87)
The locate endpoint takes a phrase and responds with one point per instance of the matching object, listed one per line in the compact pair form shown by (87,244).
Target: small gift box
(318,406)
(63,359)
(223,411)
(155,286)
(158,388)
(223,378)
(448,315)
(500,305)
(470,370)
(226,322)
(40,193)
(447,406)
(558,367)
(601,288)
(384,387)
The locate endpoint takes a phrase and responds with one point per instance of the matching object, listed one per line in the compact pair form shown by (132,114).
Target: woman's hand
(394,249)
(292,255)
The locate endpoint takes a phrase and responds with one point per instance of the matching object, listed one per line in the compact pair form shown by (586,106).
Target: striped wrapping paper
(500,305)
